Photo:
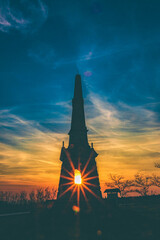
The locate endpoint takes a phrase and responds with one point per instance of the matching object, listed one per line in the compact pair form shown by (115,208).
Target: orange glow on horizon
(33,160)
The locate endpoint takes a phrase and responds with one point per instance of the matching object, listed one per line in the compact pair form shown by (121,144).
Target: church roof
(112,190)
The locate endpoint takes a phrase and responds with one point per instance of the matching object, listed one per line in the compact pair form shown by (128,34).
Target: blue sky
(115,46)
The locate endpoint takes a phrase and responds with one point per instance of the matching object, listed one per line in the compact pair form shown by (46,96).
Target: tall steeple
(78,157)
(78,132)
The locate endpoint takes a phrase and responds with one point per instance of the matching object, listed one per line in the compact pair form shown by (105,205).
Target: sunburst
(78,181)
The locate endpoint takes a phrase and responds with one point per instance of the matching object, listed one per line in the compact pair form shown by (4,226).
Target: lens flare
(76,209)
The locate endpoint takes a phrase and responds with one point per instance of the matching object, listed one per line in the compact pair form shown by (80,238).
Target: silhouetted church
(79,156)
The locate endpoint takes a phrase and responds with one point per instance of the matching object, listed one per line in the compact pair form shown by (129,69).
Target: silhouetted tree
(118,181)
(142,184)
(155,180)
(50,193)
(40,195)
(8,196)
(54,193)
(32,196)
(1,196)
(16,197)
(157,165)
(23,197)
(47,194)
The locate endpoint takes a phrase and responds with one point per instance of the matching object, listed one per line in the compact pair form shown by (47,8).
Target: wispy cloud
(43,9)
(45,54)
(126,137)
(28,151)
(12,17)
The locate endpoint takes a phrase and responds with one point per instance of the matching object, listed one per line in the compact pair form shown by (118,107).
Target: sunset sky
(115,46)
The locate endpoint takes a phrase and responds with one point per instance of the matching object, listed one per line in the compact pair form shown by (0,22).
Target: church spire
(78,132)
(78,156)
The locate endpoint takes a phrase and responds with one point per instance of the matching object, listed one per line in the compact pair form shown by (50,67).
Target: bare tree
(54,193)
(23,197)
(32,196)
(157,165)
(7,196)
(118,181)
(142,184)
(50,193)
(155,180)
(40,195)
(16,197)
(47,194)
(1,196)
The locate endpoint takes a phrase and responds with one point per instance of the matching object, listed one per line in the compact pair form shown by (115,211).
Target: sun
(79,181)
(77,177)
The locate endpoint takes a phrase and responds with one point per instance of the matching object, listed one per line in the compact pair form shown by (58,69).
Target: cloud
(46,54)
(126,137)
(29,152)
(5,169)
(9,19)
(12,17)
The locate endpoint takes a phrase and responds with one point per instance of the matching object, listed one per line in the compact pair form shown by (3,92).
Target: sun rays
(79,180)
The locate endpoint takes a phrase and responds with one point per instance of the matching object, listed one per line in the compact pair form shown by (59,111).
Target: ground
(127,220)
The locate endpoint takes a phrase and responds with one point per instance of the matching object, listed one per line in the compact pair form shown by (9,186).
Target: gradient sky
(115,46)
